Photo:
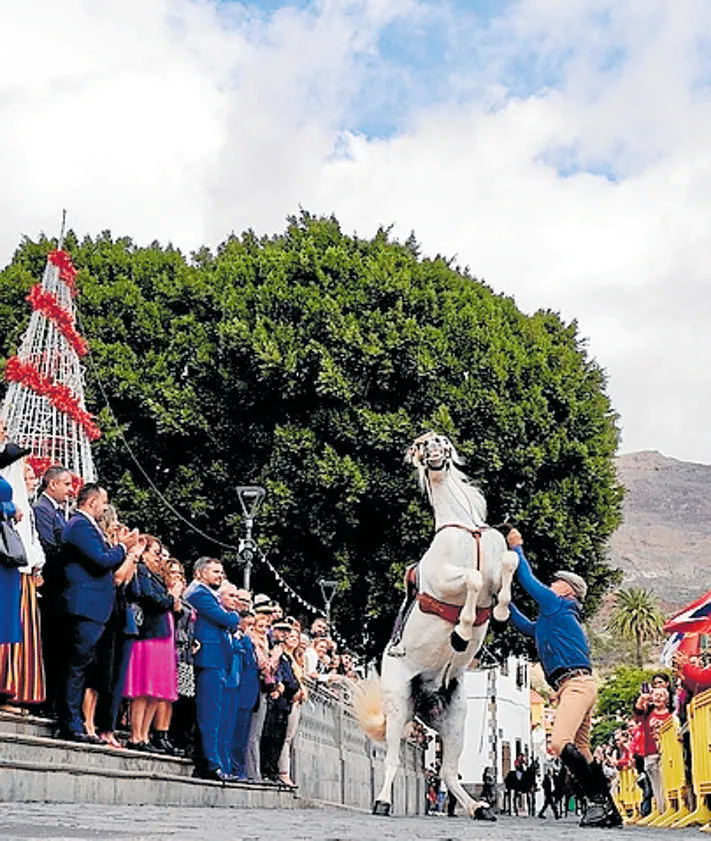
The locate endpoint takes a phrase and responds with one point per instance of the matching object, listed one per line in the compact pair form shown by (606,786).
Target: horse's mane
(459,485)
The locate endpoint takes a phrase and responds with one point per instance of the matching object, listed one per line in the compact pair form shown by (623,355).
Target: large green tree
(307,362)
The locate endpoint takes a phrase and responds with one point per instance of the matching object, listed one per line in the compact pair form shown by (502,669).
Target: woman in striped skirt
(22,678)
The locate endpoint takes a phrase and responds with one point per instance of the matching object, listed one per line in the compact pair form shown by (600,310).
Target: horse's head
(432,452)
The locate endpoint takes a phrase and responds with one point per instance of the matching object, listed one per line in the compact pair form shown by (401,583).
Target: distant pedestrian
(548,794)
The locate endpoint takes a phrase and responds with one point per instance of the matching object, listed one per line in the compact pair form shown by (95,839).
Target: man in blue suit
(229,597)
(247,698)
(87,599)
(213,630)
(56,489)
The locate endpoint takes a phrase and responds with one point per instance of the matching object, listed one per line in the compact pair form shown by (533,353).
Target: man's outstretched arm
(546,599)
(522,623)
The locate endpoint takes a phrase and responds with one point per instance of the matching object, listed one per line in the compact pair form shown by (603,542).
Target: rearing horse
(465,569)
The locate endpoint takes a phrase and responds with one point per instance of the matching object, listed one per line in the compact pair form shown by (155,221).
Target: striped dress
(21,664)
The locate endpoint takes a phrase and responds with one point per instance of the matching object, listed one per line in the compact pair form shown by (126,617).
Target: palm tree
(637,616)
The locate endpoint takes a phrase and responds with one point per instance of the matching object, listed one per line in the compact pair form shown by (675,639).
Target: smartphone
(645,688)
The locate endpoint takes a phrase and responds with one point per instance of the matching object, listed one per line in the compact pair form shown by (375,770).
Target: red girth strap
(450,612)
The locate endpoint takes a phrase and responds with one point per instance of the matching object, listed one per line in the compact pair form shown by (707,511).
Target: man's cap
(281,625)
(580,588)
(262,604)
(12,453)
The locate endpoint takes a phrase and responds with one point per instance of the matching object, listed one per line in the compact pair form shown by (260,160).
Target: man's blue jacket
(559,634)
(214,627)
(249,673)
(89,563)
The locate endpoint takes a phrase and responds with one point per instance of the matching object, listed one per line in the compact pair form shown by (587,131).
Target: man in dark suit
(213,630)
(247,695)
(87,599)
(56,488)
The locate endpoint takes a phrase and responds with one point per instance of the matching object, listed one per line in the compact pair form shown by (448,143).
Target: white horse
(465,569)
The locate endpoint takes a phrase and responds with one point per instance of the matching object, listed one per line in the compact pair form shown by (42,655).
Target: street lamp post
(250,498)
(328,591)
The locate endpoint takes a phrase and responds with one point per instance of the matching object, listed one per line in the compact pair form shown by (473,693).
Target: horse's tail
(368,708)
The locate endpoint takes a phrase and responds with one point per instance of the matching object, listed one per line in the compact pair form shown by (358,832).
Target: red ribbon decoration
(47,303)
(67,272)
(59,395)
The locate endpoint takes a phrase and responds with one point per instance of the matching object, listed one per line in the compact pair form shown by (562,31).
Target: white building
(498,724)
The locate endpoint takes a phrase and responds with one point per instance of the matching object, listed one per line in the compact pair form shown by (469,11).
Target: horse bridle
(421,444)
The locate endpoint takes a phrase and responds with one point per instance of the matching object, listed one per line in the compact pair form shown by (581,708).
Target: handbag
(12,551)
(134,620)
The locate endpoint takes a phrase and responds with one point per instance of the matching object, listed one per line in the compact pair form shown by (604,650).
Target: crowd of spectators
(101,629)
(636,745)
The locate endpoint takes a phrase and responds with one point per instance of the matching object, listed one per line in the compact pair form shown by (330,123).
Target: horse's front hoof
(380,807)
(501,614)
(458,643)
(484,814)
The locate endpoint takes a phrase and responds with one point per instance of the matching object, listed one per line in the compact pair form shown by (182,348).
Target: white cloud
(181,121)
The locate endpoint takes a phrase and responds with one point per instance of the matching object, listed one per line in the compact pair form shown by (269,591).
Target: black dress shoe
(142,747)
(162,744)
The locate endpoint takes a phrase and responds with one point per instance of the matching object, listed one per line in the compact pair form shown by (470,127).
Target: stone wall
(335,762)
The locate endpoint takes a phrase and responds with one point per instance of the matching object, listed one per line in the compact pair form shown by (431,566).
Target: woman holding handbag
(152,669)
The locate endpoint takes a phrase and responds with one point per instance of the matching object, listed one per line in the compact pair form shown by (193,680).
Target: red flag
(695,618)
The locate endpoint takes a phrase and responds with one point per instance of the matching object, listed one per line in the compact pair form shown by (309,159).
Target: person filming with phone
(651,710)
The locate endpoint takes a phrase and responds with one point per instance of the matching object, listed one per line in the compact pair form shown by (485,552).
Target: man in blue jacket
(214,627)
(565,657)
(247,697)
(87,599)
(56,488)
(230,599)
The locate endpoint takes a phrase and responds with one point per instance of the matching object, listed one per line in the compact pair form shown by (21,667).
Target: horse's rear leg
(451,731)
(397,714)
(509,563)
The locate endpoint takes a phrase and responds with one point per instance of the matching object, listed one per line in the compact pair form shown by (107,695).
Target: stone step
(43,750)
(28,725)
(30,782)
(35,767)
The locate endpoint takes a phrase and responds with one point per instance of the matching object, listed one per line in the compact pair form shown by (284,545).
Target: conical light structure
(44,406)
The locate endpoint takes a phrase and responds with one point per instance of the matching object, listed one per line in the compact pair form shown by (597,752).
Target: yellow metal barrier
(629,795)
(699,720)
(673,778)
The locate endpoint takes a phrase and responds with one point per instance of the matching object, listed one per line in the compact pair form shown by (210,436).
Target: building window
(505,666)
(521,675)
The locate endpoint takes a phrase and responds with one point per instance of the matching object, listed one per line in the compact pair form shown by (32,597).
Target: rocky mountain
(664,543)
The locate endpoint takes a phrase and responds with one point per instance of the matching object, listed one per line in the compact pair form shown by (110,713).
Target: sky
(561,149)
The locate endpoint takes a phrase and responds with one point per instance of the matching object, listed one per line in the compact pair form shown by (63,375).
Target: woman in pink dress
(152,670)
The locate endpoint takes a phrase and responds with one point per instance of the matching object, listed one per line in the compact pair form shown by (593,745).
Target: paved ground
(30,822)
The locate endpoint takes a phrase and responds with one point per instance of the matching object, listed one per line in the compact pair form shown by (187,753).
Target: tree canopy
(307,362)
(637,616)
